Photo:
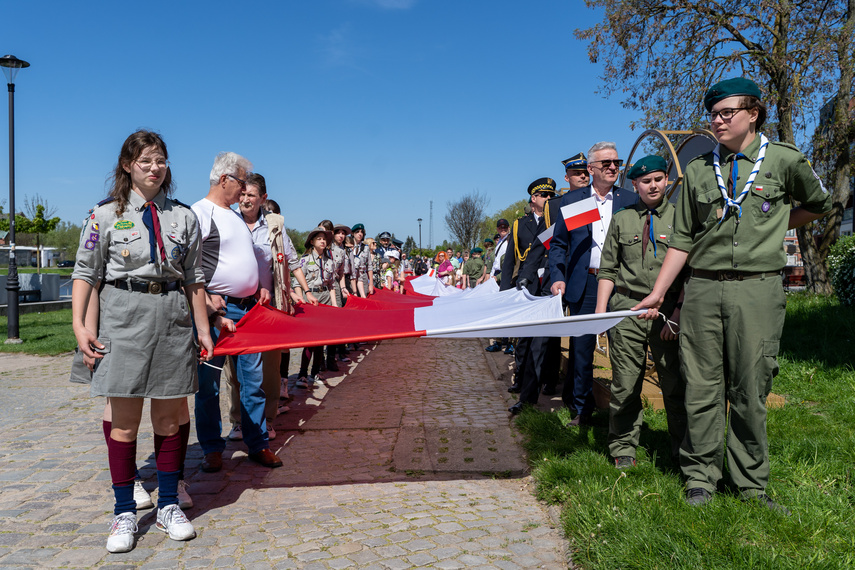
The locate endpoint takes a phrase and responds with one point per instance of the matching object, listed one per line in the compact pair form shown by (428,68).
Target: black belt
(318,289)
(153,287)
(639,296)
(733,275)
(239,300)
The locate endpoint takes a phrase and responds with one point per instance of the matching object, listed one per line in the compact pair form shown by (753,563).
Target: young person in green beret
(474,270)
(732,214)
(636,245)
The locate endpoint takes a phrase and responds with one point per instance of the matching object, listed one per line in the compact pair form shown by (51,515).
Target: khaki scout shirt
(360,261)
(342,261)
(622,261)
(319,271)
(756,242)
(113,248)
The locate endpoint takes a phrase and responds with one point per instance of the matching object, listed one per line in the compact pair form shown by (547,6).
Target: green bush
(841,266)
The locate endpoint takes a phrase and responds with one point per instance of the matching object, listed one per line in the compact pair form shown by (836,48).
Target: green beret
(730,88)
(488,240)
(477,250)
(357,227)
(542,185)
(646,165)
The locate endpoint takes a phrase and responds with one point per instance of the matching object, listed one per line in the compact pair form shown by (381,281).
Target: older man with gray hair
(237,276)
(574,261)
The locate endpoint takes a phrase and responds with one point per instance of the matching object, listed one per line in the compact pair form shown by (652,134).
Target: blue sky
(353,110)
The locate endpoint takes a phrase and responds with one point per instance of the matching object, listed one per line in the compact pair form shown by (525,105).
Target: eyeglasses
(578,173)
(725,114)
(541,195)
(147,163)
(240,181)
(608,163)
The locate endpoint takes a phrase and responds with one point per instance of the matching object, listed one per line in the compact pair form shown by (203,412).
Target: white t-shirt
(228,256)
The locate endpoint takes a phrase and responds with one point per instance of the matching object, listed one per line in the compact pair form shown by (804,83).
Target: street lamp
(420,233)
(11,65)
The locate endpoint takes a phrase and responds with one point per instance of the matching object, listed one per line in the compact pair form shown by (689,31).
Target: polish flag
(387,315)
(546,235)
(580,213)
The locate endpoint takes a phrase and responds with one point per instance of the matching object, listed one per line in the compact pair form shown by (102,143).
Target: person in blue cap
(733,212)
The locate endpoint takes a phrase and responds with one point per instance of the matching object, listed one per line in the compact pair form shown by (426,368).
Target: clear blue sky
(353,110)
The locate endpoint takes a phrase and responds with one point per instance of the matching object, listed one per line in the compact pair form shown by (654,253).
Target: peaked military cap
(730,88)
(542,185)
(577,162)
(646,165)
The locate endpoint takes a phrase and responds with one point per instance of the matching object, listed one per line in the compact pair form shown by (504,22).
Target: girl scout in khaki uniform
(732,215)
(142,250)
(636,245)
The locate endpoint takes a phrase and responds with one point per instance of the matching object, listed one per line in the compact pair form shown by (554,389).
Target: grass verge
(43,333)
(638,518)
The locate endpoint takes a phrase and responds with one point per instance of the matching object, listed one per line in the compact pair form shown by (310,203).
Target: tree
(66,238)
(31,207)
(465,218)
(665,53)
(511,213)
(298,238)
(409,245)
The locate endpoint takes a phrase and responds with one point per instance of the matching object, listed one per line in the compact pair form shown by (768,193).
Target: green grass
(61,270)
(42,333)
(638,518)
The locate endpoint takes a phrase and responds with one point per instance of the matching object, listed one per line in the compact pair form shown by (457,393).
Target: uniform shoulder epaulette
(106,201)
(180,203)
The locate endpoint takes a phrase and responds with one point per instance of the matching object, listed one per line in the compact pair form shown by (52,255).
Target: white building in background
(26,256)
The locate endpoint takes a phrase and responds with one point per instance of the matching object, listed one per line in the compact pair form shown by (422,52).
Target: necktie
(647,234)
(155,240)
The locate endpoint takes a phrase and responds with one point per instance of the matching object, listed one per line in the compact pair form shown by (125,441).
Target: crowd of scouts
(708,272)
(156,281)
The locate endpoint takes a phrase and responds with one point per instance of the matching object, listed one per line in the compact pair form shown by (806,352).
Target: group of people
(707,271)
(156,281)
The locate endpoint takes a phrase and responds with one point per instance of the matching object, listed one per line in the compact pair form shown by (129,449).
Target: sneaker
(344,359)
(764,500)
(141,496)
(312,379)
(171,520)
(283,389)
(697,497)
(122,531)
(509,350)
(495,347)
(624,462)
(271,433)
(184,500)
(236,434)
(302,382)
(282,409)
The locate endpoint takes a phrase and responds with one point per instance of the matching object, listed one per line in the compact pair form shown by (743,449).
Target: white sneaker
(236,434)
(122,531)
(283,389)
(141,496)
(171,520)
(271,433)
(184,499)
(302,382)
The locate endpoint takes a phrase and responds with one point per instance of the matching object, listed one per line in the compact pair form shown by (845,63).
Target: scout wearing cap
(635,247)
(315,232)
(474,270)
(343,228)
(734,296)
(475,250)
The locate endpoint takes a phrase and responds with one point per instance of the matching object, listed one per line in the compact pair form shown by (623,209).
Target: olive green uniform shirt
(474,268)
(755,243)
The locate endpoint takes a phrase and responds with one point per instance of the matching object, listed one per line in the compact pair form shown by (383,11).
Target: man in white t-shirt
(237,276)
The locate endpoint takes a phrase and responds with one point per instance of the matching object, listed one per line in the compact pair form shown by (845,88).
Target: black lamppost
(420,233)
(11,65)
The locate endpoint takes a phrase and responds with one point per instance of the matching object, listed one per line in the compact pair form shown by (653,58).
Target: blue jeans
(209,422)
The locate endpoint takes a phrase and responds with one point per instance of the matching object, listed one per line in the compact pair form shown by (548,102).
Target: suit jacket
(570,252)
(527,232)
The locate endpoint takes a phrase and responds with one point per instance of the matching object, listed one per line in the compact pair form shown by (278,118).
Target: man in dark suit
(528,255)
(574,262)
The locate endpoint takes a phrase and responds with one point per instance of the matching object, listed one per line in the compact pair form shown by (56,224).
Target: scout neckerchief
(647,233)
(155,240)
(729,202)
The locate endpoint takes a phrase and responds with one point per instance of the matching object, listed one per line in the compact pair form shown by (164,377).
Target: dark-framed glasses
(607,163)
(240,181)
(725,114)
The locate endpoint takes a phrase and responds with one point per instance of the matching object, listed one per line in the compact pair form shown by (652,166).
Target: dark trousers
(532,352)
(578,391)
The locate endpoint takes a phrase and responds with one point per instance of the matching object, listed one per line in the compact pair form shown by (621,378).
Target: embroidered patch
(94,237)
(90,245)
(123,225)
(175,252)
(280,257)
(94,226)
(663,236)
(765,207)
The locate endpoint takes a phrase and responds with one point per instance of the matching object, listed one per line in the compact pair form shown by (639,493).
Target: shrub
(841,266)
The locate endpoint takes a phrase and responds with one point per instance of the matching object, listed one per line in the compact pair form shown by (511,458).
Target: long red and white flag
(580,213)
(475,313)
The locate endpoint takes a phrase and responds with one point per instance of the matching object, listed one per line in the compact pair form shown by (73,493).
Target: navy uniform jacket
(527,233)
(570,252)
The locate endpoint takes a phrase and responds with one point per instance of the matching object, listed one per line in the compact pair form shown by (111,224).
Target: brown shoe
(267,458)
(213,462)
(580,420)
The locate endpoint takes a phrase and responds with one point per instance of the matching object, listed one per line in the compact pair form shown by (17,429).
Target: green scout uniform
(474,268)
(734,307)
(634,275)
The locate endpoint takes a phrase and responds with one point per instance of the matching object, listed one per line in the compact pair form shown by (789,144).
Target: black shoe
(549,390)
(495,347)
(516,408)
(624,462)
(764,500)
(697,497)
(332,366)
(515,388)
(580,420)
(510,349)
